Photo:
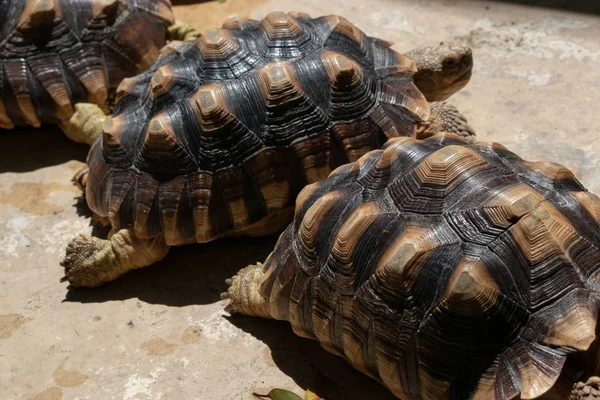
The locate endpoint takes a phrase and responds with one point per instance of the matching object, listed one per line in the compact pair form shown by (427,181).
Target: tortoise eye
(450,62)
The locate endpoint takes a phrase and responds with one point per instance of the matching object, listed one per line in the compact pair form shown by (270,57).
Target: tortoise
(54,54)
(220,134)
(442,270)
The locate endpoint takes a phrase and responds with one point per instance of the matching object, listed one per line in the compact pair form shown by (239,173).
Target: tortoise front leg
(588,390)
(244,292)
(182,31)
(91,262)
(445,117)
(86,123)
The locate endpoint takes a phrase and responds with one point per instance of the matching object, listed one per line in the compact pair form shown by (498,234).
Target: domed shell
(444,271)
(55,53)
(220,135)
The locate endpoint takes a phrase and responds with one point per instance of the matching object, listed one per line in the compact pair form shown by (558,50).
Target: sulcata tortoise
(56,53)
(219,135)
(442,270)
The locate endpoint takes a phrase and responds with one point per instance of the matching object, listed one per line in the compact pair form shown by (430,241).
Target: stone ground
(161,332)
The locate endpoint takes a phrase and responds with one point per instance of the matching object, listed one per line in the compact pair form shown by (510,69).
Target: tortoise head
(442,69)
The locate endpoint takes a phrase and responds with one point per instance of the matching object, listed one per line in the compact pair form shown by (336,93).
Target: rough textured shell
(442,270)
(222,133)
(55,53)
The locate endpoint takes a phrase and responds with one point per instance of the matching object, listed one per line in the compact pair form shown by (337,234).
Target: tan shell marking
(170,196)
(471,290)
(95,84)
(590,202)
(447,164)
(217,44)
(200,185)
(299,14)
(147,187)
(125,178)
(355,137)
(18,70)
(513,202)
(576,330)
(170,48)
(276,193)
(47,70)
(310,222)
(314,155)
(5,121)
(343,26)
(112,130)
(543,233)
(124,88)
(393,149)
(351,232)
(344,73)
(278,84)
(105,7)
(306,193)
(212,109)
(239,213)
(551,170)
(38,13)
(162,80)
(235,23)
(281,25)
(401,259)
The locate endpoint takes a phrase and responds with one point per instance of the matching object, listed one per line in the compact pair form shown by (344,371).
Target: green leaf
(312,396)
(279,394)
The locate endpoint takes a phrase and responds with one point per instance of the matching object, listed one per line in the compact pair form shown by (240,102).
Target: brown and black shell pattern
(221,134)
(442,270)
(55,53)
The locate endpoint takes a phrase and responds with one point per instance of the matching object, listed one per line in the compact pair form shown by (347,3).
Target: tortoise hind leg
(445,117)
(244,292)
(588,390)
(86,123)
(91,262)
(182,31)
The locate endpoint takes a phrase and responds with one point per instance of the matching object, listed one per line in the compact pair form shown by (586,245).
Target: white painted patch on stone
(137,384)
(533,78)
(184,361)
(217,329)
(55,237)
(533,39)
(13,241)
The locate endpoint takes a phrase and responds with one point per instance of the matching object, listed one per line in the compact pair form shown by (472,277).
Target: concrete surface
(161,333)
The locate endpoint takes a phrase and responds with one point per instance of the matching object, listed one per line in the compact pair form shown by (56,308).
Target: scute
(55,55)
(257,110)
(483,301)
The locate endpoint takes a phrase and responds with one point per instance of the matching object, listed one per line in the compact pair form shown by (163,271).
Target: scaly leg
(445,118)
(244,292)
(91,262)
(86,123)
(182,31)
(588,390)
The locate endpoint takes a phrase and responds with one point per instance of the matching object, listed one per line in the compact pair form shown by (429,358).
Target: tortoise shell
(55,53)
(220,134)
(442,270)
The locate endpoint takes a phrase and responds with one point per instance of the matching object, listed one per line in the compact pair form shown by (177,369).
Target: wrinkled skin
(442,70)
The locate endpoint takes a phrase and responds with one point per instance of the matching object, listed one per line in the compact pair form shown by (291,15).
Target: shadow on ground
(189,275)
(581,6)
(309,365)
(28,149)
